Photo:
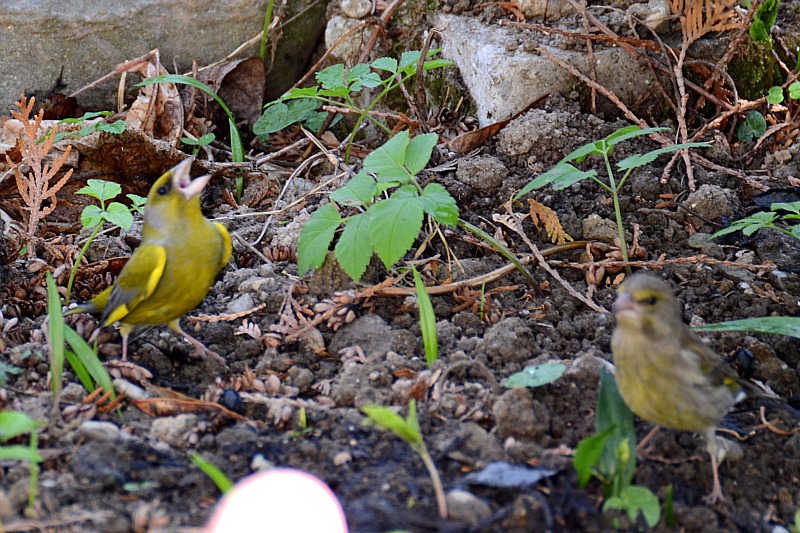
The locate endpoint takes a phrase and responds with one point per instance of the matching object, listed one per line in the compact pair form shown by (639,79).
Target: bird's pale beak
(182,180)
(624,302)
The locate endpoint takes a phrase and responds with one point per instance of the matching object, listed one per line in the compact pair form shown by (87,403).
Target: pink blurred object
(279,500)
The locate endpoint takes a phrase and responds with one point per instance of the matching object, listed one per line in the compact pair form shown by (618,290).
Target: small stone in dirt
(509,341)
(96,430)
(485,174)
(476,446)
(6,509)
(342,457)
(242,303)
(596,228)
(518,415)
(299,377)
(465,507)
(711,202)
(174,430)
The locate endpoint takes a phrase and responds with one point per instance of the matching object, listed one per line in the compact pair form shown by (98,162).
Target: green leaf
(777,325)
(775,95)
(763,21)
(419,151)
(332,77)
(119,215)
(101,189)
(354,249)
(619,456)
(359,191)
(388,161)
(220,479)
(115,127)
(409,59)
(638,160)
(395,225)
(438,203)
(387,419)
(14,424)
(437,63)
(80,370)
(794,90)
(427,320)
(563,173)
(388,64)
(316,237)
(588,454)
(536,376)
(85,117)
(306,92)
(91,216)
(753,127)
(583,152)
(19,453)
(55,327)
(137,202)
(793,207)
(89,359)
(360,76)
(279,116)
(633,499)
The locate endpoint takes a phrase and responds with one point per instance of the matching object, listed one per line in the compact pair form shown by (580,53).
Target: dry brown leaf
(158,110)
(541,214)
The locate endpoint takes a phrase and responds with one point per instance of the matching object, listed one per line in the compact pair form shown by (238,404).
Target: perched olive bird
(173,269)
(664,372)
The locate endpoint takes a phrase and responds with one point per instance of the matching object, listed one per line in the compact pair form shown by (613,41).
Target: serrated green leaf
(119,215)
(91,216)
(579,154)
(101,189)
(388,64)
(395,225)
(354,248)
(419,152)
(438,203)
(629,132)
(562,172)
(793,207)
(633,499)
(316,237)
(409,59)
(388,161)
(359,191)
(437,63)
(638,160)
(331,77)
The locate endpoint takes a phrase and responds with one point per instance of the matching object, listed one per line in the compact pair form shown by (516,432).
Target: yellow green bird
(664,372)
(173,269)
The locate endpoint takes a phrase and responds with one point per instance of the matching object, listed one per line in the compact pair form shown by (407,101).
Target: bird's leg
(199,347)
(716,492)
(641,448)
(125,331)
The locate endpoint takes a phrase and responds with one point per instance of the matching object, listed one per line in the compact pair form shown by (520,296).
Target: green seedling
(565,174)
(82,358)
(610,456)
(768,220)
(94,216)
(795,528)
(386,227)
(7,369)
(536,376)
(116,127)
(427,320)
(763,20)
(408,429)
(14,424)
(338,86)
(237,148)
(753,127)
(198,143)
(220,479)
(775,325)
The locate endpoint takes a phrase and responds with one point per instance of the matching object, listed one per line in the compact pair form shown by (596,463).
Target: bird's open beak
(624,302)
(182,180)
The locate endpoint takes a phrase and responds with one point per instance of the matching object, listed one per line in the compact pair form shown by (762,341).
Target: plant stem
(437,482)
(617,211)
(74,270)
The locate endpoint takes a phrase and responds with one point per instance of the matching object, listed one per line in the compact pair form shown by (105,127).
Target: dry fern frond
(541,214)
(699,17)
(35,188)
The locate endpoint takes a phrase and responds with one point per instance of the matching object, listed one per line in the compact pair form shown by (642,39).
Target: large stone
(88,38)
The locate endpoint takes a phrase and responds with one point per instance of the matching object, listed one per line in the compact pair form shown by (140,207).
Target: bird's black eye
(164,189)
(650,301)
